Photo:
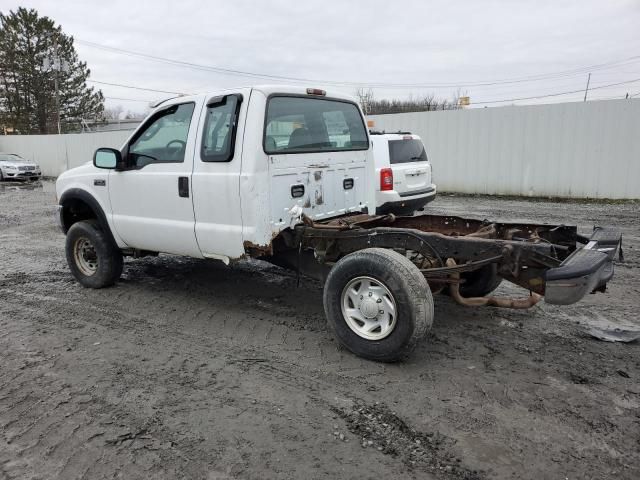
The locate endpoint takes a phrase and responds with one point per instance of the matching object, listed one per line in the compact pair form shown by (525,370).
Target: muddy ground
(190,369)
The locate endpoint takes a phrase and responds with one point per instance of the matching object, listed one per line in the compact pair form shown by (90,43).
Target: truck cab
(216,175)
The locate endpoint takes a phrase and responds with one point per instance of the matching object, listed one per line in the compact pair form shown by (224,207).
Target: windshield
(305,125)
(406,151)
(10,157)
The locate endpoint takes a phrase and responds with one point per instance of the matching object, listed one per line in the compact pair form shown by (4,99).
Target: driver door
(151,198)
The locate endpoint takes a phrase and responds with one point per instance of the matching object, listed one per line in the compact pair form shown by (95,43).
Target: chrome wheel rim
(85,256)
(368,308)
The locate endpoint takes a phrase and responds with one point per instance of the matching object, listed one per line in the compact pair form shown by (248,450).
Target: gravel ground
(190,369)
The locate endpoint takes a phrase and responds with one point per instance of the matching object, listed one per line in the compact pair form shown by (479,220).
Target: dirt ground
(190,369)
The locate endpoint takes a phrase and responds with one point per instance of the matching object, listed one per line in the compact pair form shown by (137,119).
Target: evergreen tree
(34,53)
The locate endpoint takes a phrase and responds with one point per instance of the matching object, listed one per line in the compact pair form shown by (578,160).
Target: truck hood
(76,176)
(84,169)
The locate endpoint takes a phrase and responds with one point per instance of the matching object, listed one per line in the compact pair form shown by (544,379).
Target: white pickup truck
(280,173)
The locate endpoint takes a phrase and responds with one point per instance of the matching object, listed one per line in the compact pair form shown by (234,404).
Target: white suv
(403,182)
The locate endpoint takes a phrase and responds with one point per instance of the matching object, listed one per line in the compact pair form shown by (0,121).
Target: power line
(609,97)
(557,94)
(535,97)
(135,88)
(128,99)
(228,71)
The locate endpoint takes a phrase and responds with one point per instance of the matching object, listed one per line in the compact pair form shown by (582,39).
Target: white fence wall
(582,150)
(57,153)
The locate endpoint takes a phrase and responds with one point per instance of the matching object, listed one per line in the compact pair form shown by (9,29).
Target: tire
(92,257)
(481,282)
(400,285)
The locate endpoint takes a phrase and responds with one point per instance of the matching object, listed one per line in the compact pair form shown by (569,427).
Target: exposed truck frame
(545,259)
(242,191)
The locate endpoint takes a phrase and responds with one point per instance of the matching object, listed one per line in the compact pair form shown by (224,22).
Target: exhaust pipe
(516,303)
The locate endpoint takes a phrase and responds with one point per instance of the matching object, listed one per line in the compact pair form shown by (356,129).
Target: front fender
(72,195)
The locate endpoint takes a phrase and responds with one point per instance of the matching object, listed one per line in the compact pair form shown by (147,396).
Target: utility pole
(55,83)
(57,65)
(586,90)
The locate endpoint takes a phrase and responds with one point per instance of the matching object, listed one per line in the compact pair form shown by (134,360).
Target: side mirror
(108,158)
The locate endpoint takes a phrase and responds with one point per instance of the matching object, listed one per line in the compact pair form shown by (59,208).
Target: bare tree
(113,113)
(365,98)
(426,103)
(458,94)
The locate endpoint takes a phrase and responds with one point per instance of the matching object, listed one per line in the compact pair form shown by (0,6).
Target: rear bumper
(586,270)
(393,202)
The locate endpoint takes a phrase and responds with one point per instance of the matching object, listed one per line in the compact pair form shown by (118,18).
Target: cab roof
(311,91)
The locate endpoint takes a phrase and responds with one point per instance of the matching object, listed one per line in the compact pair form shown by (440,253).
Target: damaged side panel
(323,185)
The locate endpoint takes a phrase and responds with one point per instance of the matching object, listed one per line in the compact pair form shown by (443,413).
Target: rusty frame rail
(523,252)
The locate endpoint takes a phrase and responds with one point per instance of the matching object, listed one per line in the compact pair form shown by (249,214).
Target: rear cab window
(406,151)
(301,124)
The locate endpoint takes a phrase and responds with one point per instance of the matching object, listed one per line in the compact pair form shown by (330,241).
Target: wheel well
(75,210)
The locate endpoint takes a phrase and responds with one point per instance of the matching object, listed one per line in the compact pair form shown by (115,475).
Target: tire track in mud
(287,374)
(282,376)
(140,324)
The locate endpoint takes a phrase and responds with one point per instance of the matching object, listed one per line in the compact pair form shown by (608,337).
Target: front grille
(26,169)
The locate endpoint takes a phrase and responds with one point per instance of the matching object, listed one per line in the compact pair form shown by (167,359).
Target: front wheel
(378,304)
(91,255)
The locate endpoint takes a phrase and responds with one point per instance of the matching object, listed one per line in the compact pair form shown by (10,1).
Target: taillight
(386,179)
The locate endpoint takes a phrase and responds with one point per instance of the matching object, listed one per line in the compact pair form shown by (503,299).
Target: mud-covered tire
(481,282)
(102,265)
(410,293)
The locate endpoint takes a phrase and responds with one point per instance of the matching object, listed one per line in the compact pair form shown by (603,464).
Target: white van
(403,181)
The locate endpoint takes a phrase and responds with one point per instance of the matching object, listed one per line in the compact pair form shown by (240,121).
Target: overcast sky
(443,44)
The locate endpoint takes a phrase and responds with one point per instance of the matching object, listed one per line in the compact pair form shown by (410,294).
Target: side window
(164,140)
(218,137)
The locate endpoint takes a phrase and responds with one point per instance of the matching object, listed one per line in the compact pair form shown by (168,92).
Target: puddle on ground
(17,185)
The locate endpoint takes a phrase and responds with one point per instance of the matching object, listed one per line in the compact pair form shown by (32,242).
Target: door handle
(183,187)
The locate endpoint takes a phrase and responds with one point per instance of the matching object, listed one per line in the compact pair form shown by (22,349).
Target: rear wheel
(378,304)
(481,282)
(91,255)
